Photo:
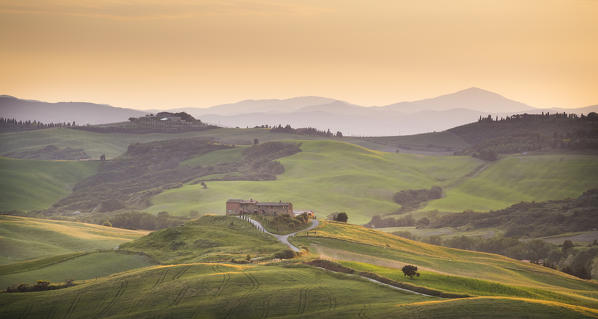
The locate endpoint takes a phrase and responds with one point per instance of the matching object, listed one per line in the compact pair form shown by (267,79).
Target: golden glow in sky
(149,53)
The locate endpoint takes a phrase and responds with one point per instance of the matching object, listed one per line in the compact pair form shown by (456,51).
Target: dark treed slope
(51,152)
(531,132)
(506,135)
(146,169)
(532,219)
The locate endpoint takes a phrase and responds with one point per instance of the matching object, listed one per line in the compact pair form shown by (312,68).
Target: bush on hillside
(410,271)
(341,217)
(285,254)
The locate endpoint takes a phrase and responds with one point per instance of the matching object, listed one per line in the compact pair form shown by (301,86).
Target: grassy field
(209,290)
(522,178)
(115,144)
(77,266)
(209,238)
(24,238)
(133,288)
(31,185)
(330,176)
(229,291)
(327,176)
(446,269)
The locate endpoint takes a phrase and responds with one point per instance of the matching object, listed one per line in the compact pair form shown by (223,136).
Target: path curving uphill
(281,238)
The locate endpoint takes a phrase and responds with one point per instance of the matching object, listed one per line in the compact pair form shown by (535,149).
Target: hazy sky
(156,53)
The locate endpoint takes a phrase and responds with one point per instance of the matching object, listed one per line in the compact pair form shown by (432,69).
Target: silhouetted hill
(80,112)
(435,114)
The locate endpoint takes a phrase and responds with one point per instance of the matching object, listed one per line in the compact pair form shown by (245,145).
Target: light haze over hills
(411,117)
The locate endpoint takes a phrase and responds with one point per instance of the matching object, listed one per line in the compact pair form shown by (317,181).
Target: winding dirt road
(281,238)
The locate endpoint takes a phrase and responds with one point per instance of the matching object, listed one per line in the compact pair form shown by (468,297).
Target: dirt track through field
(339,254)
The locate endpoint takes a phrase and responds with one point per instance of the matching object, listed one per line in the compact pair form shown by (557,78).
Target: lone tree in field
(410,270)
(341,217)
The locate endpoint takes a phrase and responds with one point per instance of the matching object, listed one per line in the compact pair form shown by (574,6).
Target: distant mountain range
(80,112)
(434,114)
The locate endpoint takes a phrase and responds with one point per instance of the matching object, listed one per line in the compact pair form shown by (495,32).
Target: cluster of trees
(338,217)
(310,131)
(592,116)
(529,132)
(531,219)
(412,198)
(13,124)
(404,221)
(410,271)
(40,285)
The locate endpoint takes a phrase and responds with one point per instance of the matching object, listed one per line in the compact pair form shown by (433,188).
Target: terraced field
(23,238)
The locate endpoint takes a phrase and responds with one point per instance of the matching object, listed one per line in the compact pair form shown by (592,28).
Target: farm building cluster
(236,207)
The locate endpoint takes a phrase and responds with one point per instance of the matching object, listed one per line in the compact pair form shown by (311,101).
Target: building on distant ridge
(240,207)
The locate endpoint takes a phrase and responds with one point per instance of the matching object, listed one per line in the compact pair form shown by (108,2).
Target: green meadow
(331,176)
(32,185)
(129,285)
(77,266)
(522,178)
(446,269)
(24,238)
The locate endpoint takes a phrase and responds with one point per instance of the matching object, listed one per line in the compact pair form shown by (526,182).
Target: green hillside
(331,176)
(327,176)
(499,287)
(522,178)
(114,144)
(24,238)
(209,238)
(77,266)
(446,269)
(32,185)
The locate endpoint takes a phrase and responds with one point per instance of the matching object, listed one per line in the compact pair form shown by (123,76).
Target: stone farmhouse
(240,207)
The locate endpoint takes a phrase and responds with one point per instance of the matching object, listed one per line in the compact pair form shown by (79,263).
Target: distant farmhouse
(236,207)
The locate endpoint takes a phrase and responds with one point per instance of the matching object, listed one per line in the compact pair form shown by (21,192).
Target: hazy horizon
(150,55)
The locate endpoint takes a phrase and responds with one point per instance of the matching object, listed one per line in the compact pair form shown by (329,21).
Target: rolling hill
(496,286)
(23,238)
(36,185)
(79,112)
(331,176)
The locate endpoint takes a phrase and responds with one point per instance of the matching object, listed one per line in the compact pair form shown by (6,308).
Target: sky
(181,53)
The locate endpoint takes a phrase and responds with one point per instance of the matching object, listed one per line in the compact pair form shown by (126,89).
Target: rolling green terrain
(326,176)
(133,288)
(209,238)
(32,184)
(522,178)
(331,176)
(24,238)
(447,269)
(115,144)
(77,266)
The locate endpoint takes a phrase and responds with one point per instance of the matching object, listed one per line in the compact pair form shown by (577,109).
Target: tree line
(310,131)
(14,124)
